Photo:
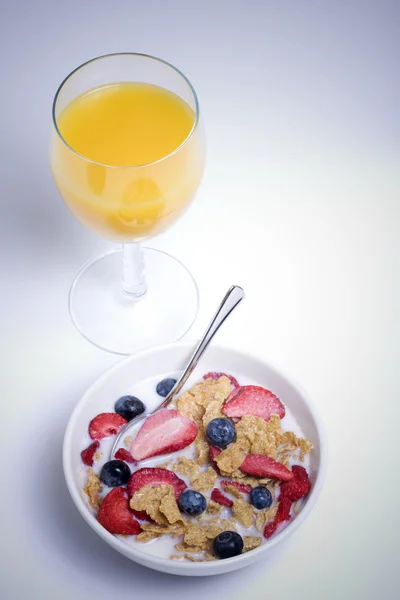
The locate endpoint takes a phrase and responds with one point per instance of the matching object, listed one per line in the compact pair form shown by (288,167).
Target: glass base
(109,319)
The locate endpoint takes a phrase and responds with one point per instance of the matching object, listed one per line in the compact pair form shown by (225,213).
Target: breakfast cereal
(260,455)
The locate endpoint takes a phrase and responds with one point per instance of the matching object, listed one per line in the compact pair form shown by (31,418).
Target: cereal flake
(92,489)
(204,481)
(175,530)
(227,524)
(206,557)
(264,516)
(211,531)
(186,466)
(243,512)
(202,449)
(214,508)
(194,535)
(147,536)
(186,404)
(305,446)
(191,549)
(198,401)
(260,435)
(213,411)
(233,491)
(232,457)
(169,507)
(159,503)
(250,542)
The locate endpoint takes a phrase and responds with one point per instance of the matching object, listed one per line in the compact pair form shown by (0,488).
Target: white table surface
(299,205)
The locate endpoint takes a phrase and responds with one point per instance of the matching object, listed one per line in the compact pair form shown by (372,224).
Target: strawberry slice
(270,529)
(122,454)
(234,393)
(242,487)
(297,487)
(164,432)
(216,376)
(220,498)
(155,476)
(283,514)
(142,515)
(213,452)
(115,515)
(105,424)
(87,455)
(259,465)
(253,400)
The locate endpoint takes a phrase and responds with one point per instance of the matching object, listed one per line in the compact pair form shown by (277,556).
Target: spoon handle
(234,295)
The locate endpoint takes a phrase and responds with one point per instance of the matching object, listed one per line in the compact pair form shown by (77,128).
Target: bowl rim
(186,568)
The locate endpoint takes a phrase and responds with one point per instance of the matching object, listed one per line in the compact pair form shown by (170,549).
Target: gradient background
(299,205)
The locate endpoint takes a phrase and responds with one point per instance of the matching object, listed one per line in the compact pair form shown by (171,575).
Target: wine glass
(127,154)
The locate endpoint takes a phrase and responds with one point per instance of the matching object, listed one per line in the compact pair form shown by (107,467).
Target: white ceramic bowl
(100,397)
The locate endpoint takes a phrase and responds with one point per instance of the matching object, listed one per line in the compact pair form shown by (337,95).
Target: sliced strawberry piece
(242,487)
(220,498)
(155,476)
(297,487)
(122,454)
(283,514)
(259,465)
(142,515)
(270,529)
(253,400)
(300,473)
(165,431)
(105,424)
(213,452)
(115,515)
(87,455)
(234,393)
(216,376)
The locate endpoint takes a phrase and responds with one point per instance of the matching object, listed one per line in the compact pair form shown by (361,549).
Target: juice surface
(128,124)
(109,168)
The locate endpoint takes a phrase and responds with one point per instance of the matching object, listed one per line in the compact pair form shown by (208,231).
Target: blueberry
(129,407)
(165,386)
(221,432)
(260,497)
(228,544)
(115,473)
(192,503)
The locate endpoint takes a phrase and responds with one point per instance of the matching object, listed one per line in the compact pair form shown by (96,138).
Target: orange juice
(128,159)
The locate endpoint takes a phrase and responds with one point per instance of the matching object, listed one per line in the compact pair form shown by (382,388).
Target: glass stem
(133,272)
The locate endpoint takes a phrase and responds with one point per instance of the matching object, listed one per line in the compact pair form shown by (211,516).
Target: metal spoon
(234,295)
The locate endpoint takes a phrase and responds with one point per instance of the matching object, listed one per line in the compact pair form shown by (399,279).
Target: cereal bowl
(137,375)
